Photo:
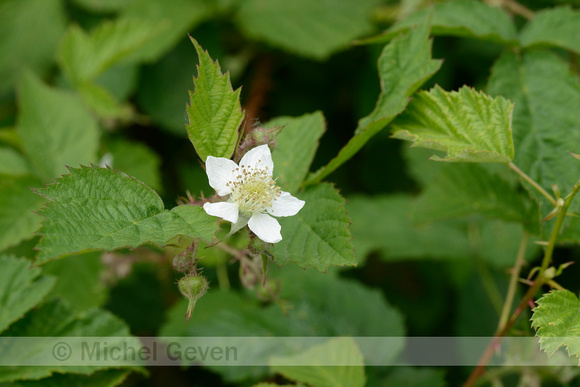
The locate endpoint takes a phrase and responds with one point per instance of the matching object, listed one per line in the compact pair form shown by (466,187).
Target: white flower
(254,195)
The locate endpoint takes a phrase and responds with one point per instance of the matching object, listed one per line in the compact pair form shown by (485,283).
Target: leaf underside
(467,124)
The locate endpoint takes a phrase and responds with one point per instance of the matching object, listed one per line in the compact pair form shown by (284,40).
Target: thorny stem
(533,183)
(515,275)
(530,294)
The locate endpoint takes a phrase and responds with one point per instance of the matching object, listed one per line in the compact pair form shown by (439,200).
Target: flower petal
(258,158)
(285,205)
(225,210)
(265,227)
(220,171)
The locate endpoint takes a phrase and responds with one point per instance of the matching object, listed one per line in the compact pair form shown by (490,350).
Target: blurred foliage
(109,81)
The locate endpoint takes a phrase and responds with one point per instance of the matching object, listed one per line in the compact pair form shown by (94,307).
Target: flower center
(254,190)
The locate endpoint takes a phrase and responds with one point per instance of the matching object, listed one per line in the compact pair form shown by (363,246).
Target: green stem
(222,276)
(530,294)
(556,230)
(515,275)
(533,183)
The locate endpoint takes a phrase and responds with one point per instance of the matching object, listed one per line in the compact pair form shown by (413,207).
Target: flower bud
(186,260)
(257,136)
(269,291)
(193,287)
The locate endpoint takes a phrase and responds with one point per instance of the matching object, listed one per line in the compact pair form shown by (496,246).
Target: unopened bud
(193,287)
(258,135)
(269,291)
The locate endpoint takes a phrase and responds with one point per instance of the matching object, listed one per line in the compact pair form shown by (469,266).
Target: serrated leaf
(465,189)
(49,321)
(553,27)
(296,145)
(463,18)
(103,209)
(404,65)
(318,305)
(214,112)
(84,56)
(556,322)
(17,203)
(546,123)
(318,235)
(467,124)
(314,29)
(55,128)
(337,350)
(180,15)
(21,289)
(22,22)
(13,163)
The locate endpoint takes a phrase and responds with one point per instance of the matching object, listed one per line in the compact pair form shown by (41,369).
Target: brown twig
(259,88)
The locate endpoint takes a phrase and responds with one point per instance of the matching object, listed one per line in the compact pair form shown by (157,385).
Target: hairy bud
(193,287)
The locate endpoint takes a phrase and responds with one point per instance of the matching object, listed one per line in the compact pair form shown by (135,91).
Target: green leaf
(84,57)
(100,208)
(102,102)
(546,123)
(181,16)
(556,322)
(17,203)
(214,113)
(314,29)
(23,24)
(296,145)
(79,280)
(467,124)
(463,18)
(103,6)
(316,305)
(553,27)
(55,128)
(50,321)
(105,378)
(404,65)
(136,160)
(384,224)
(419,166)
(21,289)
(13,163)
(339,350)
(318,235)
(170,78)
(465,189)
(416,377)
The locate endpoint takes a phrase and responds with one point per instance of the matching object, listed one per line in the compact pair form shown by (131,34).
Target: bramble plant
(266,223)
